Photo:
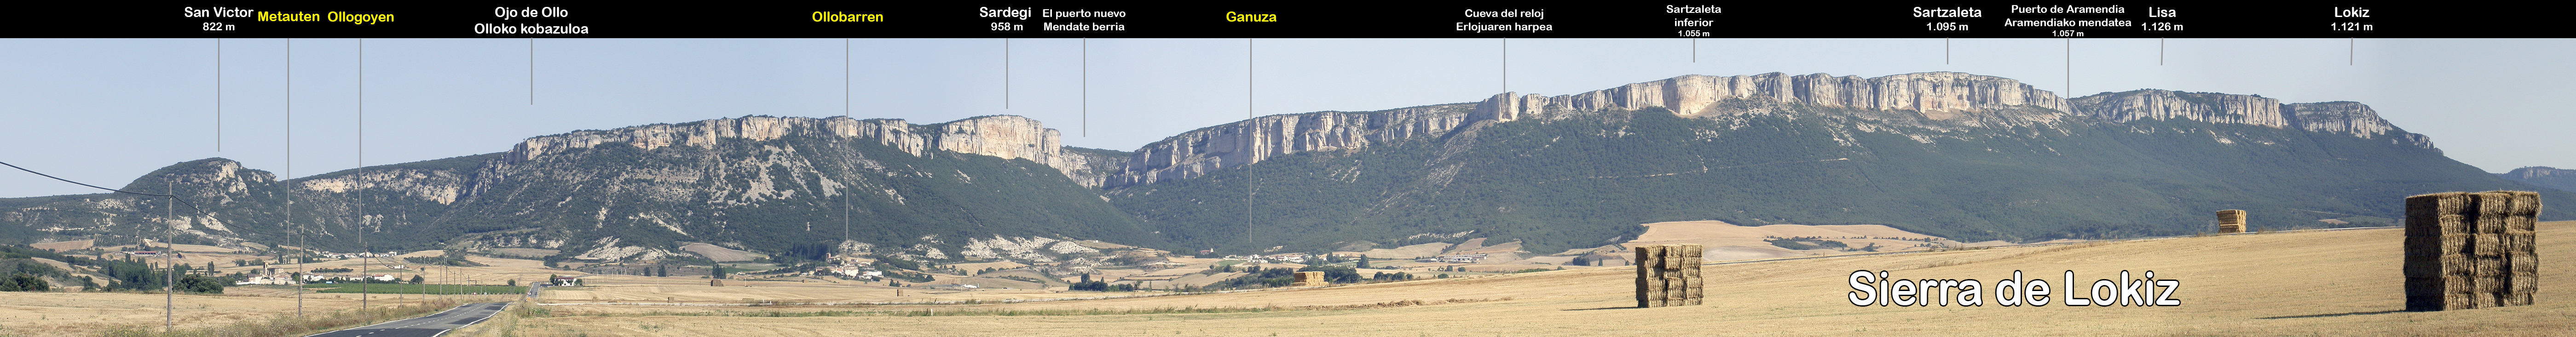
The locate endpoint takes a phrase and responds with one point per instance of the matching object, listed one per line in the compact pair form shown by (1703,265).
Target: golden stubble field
(91,313)
(87,314)
(2303,283)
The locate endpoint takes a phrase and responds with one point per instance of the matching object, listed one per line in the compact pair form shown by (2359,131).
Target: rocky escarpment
(1197,152)
(1009,137)
(1936,95)
(2544,176)
(762,181)
(2345,118)
(1939,97)
(1938,101)
(2350,118)
(2151,104)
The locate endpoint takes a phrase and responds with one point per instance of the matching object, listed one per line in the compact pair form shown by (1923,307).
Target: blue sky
(104,111)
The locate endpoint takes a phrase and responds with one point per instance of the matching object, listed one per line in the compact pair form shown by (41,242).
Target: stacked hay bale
(2231,221)
(1310,279)
(2471,250)
(1668,275)
(2522,262)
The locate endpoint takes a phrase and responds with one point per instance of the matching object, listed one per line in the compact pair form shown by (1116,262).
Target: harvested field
(1407,252)
(2306,283)
(1730,242)
(717,253)
(525,252)
(83,314)
(64,245)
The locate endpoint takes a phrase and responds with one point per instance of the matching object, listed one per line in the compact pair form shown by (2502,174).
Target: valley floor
(2288,283)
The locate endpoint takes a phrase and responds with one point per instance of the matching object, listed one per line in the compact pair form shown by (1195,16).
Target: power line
(192,206)
(79,183)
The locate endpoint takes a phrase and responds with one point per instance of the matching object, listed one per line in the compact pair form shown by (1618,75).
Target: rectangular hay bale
(2439,246)
(1691,258)
(1695,293)
(2423,286)
(1676,292)
(2522,214)
(2428,247)
(1691,254)
(2520,286)
(2231,221)
(2489,211)
(2425,294)
(2457,294)
(2424,213)
(1650,285)
(2486,246)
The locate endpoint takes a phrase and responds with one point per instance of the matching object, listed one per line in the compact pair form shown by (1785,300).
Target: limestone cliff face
(2344,118)
(439,186)
(2543,176)
(1010,137)
(1957,98)
(1937,95)
(2350,118)
(2540,172)
(2151,104)
(1937,101)
(521,198)
(1192,154)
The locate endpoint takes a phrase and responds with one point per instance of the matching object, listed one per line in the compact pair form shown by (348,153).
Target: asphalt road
(425,326)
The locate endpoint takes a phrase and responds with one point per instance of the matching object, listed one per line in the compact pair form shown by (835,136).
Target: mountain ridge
(1966,156)
(2544,176)
(1934,99)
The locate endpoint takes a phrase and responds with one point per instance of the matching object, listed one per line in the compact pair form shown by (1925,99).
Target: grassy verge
(288,325)
(503,324)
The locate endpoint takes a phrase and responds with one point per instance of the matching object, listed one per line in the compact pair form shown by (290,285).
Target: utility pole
(367,255)
(169,283)
(290,173)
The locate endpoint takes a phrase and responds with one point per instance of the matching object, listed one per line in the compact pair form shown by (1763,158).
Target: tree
(1363,262)
(201,284)
(416,279)
(1335,274)
(24,282)
(514,282)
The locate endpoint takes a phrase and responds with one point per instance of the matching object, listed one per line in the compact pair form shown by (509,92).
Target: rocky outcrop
(2152,104)
(1939,101)
(2343,118)
(1010,137)
(1937,95)
(1195,153)
(440,186)
(1932,96)
(2351,118)
(2544,176)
